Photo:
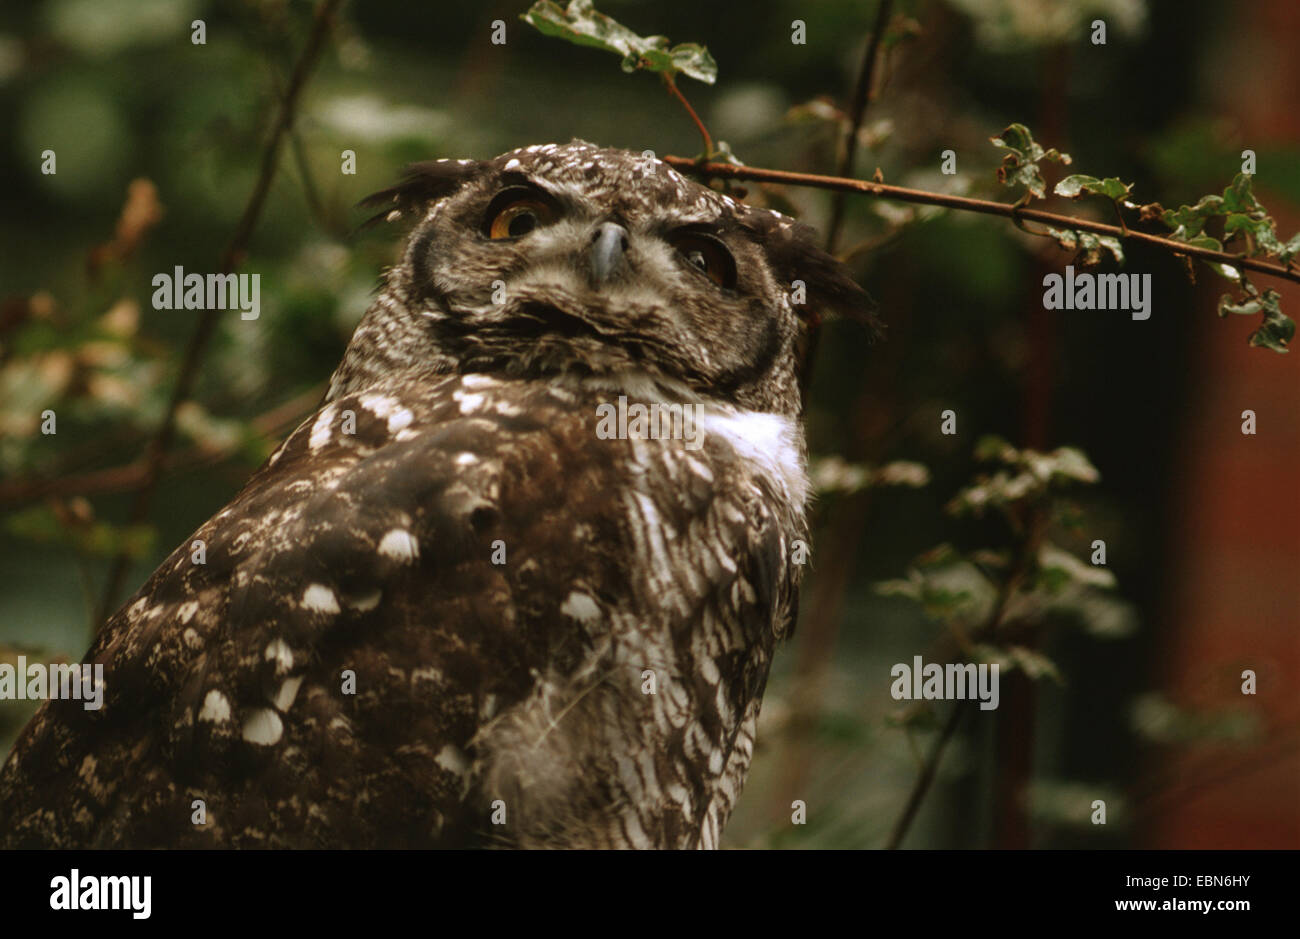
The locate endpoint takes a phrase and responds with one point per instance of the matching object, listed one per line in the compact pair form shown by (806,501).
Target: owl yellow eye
(515,214)
(706,254)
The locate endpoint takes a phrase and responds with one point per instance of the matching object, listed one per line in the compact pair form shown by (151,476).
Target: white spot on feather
(288,691)
(215,707)
(263,727)
(469,403)
(399,419)
(320,598)
(278,651)
(322,430)
(380,405)
(452,760)
(400,545)
(581,607)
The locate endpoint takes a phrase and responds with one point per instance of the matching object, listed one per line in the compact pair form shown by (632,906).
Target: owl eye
(707,255)
(516,212)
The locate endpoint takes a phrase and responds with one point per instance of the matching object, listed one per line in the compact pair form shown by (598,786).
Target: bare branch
(671,84)
(982,206)
(1025,556)
(922,785)
(857,111)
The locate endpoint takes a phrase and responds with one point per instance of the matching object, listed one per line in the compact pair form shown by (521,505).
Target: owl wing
(430,607)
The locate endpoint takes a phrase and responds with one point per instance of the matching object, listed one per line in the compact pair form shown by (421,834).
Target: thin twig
(310,192)
(926,777)
(676,92)
(130,476)
(848,150)
(1034,532)
(857,111)
(160,443)
(982,206)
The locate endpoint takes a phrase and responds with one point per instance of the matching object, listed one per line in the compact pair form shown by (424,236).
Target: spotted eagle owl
(447,610)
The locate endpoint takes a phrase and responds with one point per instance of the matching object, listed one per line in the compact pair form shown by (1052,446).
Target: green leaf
(1276,333)
(1159,719)
(1243,217)
(999,489)
(1070,463)
(937,586)
(1239,197)
(1034,664)
(1225,270)
(1188,220)
(991,447)
(1060,567)
(1246,307)
(689,58)
(1089,247)
(1262,231)
(1205,241)
(832,474)
(1277,329)
(1077,186)
(941,555)
(1018,139)
(1020,164)
(582,24)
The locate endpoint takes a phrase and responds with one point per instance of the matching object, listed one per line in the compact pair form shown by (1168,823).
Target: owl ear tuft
(829,289)
(421,184)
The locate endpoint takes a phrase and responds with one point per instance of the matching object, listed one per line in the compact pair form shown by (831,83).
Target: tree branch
(857,111)
(1028,551)
(156,453)
(982,206)
(671,84)
(922,785)
(848,150)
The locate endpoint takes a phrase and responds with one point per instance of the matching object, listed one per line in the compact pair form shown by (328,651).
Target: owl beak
(606,251)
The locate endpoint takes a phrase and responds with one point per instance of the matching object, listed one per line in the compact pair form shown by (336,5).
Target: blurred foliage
(581,23)
(987,597)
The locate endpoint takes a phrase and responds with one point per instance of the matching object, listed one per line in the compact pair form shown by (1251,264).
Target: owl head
(575,260)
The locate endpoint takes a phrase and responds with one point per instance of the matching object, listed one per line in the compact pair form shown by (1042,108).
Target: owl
(463,604)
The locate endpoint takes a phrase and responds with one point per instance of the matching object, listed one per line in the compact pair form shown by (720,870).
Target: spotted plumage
(447,611)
